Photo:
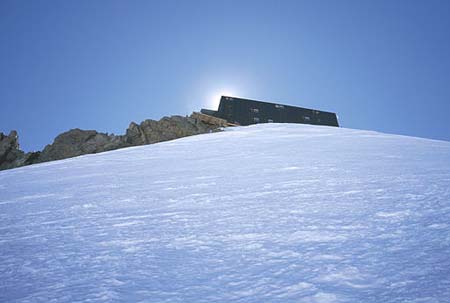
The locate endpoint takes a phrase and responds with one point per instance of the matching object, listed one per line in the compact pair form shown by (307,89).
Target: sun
(214,100)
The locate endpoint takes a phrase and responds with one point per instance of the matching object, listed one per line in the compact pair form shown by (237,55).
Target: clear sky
(380,65)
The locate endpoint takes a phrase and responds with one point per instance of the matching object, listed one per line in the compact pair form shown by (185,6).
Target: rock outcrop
(9,150)
(168,128)
(10,154)
(78,142)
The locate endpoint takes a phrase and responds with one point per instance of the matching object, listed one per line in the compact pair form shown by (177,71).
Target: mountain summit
(264,213)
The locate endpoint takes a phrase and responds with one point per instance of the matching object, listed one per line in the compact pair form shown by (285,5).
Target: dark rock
(10,154)
(31,158)
(27,159)
(168,128)
(78,142)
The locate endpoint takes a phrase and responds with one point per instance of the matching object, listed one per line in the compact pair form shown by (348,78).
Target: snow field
(266,213)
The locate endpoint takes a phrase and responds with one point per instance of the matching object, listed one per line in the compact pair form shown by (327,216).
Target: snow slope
(266,213)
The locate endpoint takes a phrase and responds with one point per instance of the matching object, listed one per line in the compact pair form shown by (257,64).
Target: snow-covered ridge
(265,213)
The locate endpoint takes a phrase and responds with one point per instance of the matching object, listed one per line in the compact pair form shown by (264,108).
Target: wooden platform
(211,120)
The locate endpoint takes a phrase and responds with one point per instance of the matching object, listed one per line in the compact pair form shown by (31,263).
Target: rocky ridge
(76,142)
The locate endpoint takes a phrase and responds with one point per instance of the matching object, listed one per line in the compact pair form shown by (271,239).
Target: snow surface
(266,213)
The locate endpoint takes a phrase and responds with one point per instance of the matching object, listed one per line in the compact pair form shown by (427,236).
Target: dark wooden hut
(245,112)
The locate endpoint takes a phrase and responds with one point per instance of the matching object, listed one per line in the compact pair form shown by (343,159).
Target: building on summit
(240,111)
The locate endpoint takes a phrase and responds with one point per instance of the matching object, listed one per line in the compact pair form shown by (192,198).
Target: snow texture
(266,213)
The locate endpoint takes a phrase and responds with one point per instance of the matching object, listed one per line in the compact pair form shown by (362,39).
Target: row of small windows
(257,120)
(256,110)
(279,106)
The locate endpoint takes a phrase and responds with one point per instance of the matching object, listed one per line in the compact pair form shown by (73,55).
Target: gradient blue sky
(381,65)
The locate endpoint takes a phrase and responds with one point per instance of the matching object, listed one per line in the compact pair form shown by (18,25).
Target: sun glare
(215,99)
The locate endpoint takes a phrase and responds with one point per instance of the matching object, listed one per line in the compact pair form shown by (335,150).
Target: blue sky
(381,65)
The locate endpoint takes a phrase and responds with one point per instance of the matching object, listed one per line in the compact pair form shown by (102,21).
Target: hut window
(269,120)
(254,110)
(306,118)
(256,119)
